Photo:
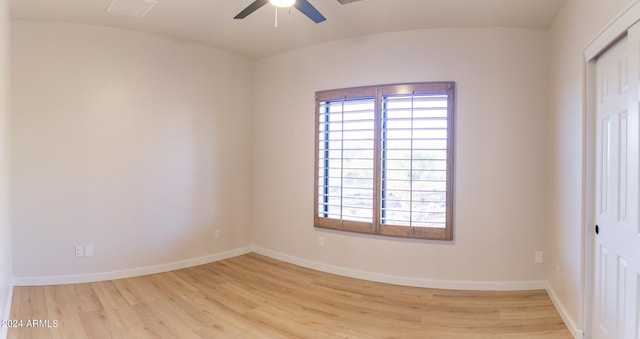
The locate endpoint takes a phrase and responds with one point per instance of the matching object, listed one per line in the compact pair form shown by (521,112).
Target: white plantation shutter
(414,160)
(346,156)
(385,160)
(415,157)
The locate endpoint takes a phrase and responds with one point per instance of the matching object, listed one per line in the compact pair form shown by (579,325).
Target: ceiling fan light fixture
(282,3)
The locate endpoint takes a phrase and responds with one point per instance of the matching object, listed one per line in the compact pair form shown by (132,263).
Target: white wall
(132,142)
(5,211)
(500,208)
(575,27)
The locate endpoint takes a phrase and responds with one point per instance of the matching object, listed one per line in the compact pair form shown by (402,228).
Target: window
(384,160)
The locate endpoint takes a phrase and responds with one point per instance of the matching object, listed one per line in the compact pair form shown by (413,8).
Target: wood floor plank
(253,296)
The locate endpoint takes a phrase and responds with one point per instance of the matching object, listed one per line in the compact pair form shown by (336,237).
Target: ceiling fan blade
(251,8)
(311,12)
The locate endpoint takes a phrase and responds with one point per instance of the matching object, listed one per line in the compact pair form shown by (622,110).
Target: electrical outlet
(217,234)
(79,251)
(539,257)
(88,250)
(321,241)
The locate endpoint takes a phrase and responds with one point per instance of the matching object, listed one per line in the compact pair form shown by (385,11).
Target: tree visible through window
(384,160)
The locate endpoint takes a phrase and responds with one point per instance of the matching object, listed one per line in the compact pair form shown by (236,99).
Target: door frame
(614,31)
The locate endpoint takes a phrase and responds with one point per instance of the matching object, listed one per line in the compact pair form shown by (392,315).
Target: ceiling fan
(302,5)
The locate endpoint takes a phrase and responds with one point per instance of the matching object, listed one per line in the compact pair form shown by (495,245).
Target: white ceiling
(211,22)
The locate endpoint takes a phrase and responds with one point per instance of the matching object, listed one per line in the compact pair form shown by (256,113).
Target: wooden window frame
(379,92)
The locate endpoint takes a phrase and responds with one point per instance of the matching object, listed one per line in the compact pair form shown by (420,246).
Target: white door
(616,297)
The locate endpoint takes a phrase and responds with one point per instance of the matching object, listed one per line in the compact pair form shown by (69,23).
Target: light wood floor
(253,296)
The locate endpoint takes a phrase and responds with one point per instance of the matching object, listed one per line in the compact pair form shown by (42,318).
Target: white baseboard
(571,325)
(404,281)
(135,272)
